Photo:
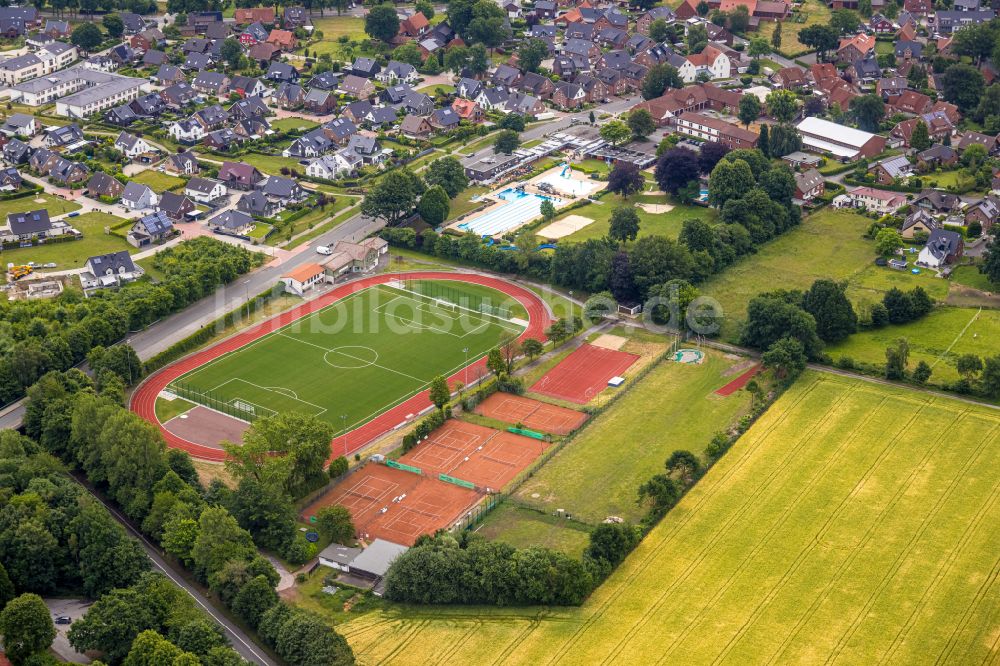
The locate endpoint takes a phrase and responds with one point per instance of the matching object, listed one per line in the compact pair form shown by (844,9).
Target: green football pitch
(352,360)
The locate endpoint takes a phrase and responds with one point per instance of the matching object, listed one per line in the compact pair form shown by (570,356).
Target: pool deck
(582,187)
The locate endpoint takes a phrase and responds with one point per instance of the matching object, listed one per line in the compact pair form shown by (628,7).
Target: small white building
(109,270)
(303,278)
(137,196)
(205,190)
(187,131)
(338,557)
(133,146)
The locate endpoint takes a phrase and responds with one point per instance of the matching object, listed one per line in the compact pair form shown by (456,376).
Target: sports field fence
(443,292)
(238,409)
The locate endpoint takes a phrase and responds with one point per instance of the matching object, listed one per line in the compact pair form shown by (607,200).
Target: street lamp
(466,367)
(343,431)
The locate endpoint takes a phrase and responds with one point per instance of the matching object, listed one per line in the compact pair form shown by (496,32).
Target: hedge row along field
(852,523)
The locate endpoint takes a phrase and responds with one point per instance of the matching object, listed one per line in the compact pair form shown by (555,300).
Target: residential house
(507,76)
(282,72)
(872,199)
(232,222)
(908,50)
(537,85)
(65,137)
(211,83)
(367,149)
(283,190)
(711,61)
(911,102)
(790,78)
(444,119)
(253,34)
(864,71)
(150,229)
(56,29)
(594,89)
(319,101)
(103,185)
(147,40)
(109,270)
(856,47)
(325,81)
(331,167)
(340,130)
(19,124)
(413,27)
(469,88)
(178,207)
(248,15)
(154,58)
(397,72)
(240,176)
(256,204)
(137,196)
(356,86)
(418,103)
(222,140)
(63,171)
(673,102)
(880,25)
(945,22)
(467,109)
(178,95)
(311,144)
(646,20)
(918,222)
(987,141)
(366,68)
(350,257)
(168,74)
(889,88)
(986,212)
(569,95)
(289,95)
(943,247)
(263,53)
(937,155)
(283,39)
(524,105)
(937,202)
(938,127)
(809,184)
(134,147)
(197,61)
(187,131)
(134,23)
(16,151)
(10,179)
(28,226)
(380,116)
(248,128)
(891,169)
(204,190)
(418,127)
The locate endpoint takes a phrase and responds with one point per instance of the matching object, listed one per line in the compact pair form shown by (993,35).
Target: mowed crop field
(351,360)
(854,523)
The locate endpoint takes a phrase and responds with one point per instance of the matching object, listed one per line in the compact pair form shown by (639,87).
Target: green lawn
(463,203)
(437,88)
(323,227)
(272,164)
(971,277)
(524,528)
(73,254)
(815,12)
(320,364)
(853,523)
(259,230)
(629,443)
(168,409)
(54,205)
(939,339)
(159,182)
(957,179)
(469,293)
(285,124)
(828,244)
(314,218)
(334,27)
(650,224)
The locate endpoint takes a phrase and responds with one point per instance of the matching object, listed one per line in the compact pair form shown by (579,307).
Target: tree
(661,493)
(456,59)
(776,36)
(548,210)
(729,180)
(782,105)
(624,224)
(506,142)
(612,542)
(409,53)
(114,25)
(479,60)
(26,626)
(991,257)
(303,442)
(532,348)
(783,139)
(759,46)
(641,123)
(920,138)
(711,153)
(969,365)
(393,196)
(990,379)
(306,639)
(615,132)
(868,110)
(764,140)
(827,302)
(440,394)
(625,179)
(749,109)
(531,54)
(119,359)
(896,359)
(922,372)
(231,51)
(658,79)
(489,25)
(434,206)
(821,37)
(978,42)
(87,36)
(255,598)
(335,523)
(6,587)
(220,539)
(697,38)
(974,155)
(963,85)
(449,173)
(512,121)
(426,8)
(676,168)
(684,464)
(771,317)
(845,21)
(659,30)
(382,23)
(785,357)
(887,242)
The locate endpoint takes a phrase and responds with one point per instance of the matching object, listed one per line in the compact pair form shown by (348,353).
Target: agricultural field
(650,224)
(853,523)
(159,182)
(939,339)
(629,443)
(74,254)
(396,343)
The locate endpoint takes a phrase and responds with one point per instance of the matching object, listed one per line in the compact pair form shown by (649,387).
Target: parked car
(64,619)
(323,249)
(74,214)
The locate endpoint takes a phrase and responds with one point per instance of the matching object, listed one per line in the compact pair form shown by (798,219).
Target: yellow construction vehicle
(18,272)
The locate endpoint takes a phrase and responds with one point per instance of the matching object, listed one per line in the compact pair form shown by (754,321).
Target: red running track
(738,383)
(143,401)
(584,373)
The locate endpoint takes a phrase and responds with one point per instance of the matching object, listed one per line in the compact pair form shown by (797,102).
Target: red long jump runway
(396,505)
(738,383)
(533,414)
(486,457)
(143,400)
(583,374)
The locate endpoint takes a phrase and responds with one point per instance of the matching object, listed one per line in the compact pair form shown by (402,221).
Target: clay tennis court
(532,414)
(486,457)
(396,505)
(583,374)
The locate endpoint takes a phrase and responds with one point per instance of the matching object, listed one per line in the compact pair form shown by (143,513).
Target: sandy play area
(565,226)
(656,208)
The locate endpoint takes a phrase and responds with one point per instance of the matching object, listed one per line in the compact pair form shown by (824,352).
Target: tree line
(209,530)
(37,336)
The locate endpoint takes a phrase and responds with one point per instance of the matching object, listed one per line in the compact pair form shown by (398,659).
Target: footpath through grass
(854,522)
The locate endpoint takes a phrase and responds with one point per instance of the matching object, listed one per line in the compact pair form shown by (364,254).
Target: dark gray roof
(134,191)
(201,185)
(278,186)
(942,242)
(115,262)
(231,219)
(31,222)
(157,223)
(172,202)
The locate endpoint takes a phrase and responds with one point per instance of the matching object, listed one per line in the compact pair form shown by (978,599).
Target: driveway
(74,609)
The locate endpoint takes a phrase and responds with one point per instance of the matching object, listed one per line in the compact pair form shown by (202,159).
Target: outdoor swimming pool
(518,208)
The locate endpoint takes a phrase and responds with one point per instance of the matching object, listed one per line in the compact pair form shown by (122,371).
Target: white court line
(270,390)
(356,358)
(481,314)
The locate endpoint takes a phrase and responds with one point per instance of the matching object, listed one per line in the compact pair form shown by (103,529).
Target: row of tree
(396,195)
(37,336)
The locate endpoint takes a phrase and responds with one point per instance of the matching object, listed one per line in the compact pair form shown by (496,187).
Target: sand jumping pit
(608,341)
(564,227)
(656,209)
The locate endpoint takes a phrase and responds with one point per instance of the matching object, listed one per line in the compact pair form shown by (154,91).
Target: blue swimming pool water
(519,208)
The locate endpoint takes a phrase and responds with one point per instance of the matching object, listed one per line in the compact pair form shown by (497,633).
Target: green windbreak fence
(463,299)
(404,467)
(458,482)
(527,433)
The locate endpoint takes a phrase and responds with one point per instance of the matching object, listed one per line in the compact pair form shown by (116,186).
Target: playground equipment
(565,169)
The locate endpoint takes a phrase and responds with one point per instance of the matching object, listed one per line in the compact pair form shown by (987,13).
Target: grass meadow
(672,407)
(853,523)
(159,182)
(74,254)
(650,224)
